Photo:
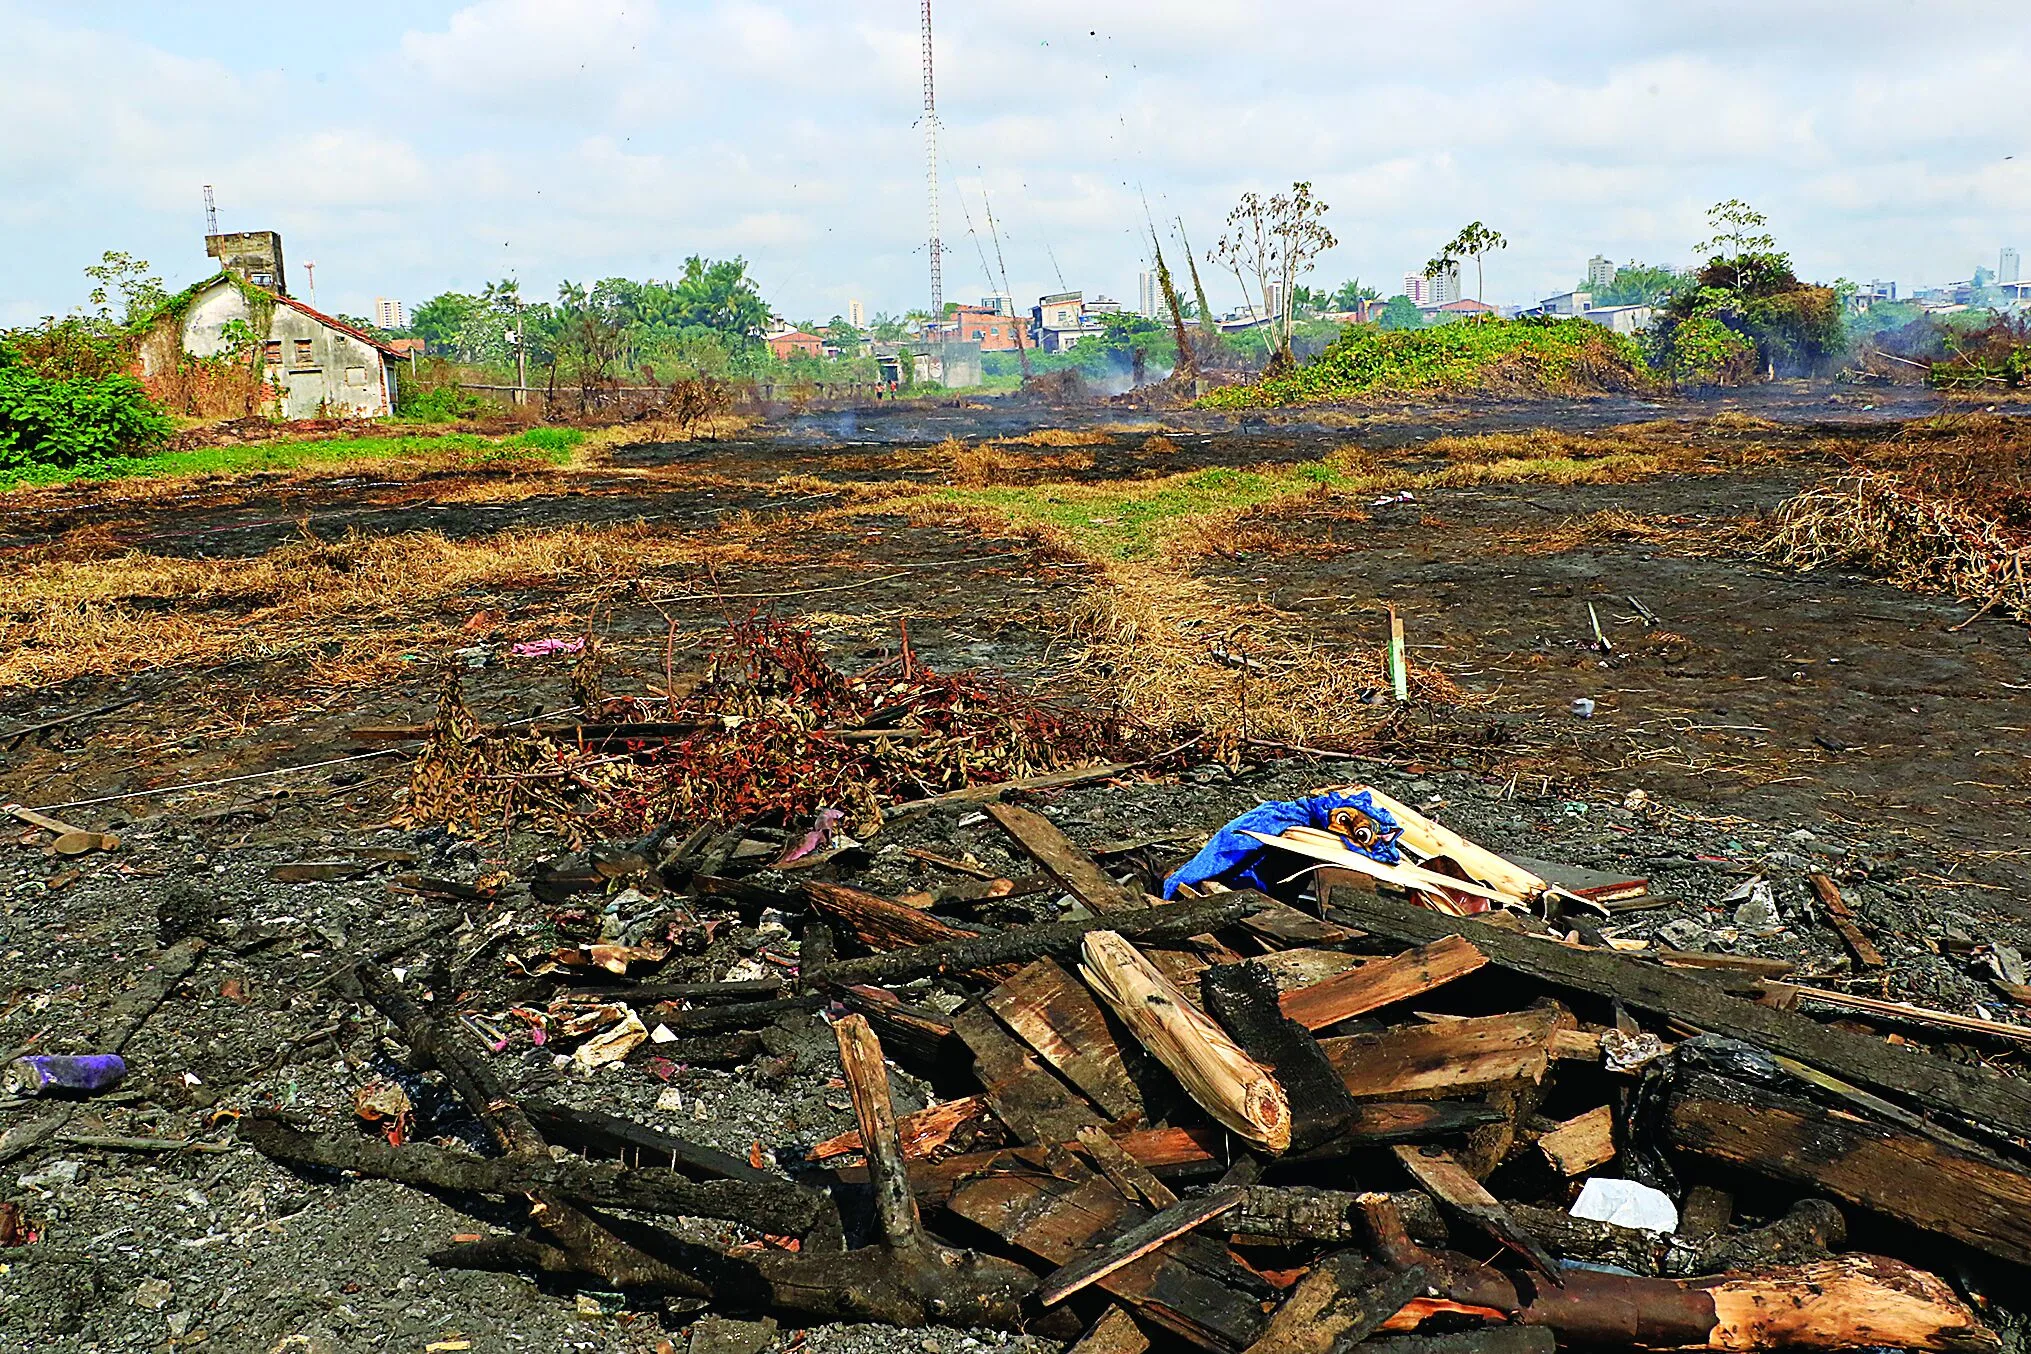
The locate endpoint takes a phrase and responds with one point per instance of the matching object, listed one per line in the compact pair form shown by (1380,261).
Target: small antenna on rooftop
(211,212)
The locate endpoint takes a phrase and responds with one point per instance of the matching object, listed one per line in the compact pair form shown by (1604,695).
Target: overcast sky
(409,147)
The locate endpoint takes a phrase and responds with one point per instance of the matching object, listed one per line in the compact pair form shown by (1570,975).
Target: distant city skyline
(545,140)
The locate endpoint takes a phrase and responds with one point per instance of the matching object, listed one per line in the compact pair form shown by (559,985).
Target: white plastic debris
(1626,1203)
(1626,1052)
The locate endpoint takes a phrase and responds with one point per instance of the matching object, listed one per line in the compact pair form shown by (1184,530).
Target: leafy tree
(1400,313)
(886,328)
(1636,284)
(592,333)
(1352,293)
(1475,241)
(1278,241)
(1748,288)
(844,336)
(122,275)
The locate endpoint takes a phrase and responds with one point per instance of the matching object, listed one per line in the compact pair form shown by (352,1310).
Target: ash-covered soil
(1786,724)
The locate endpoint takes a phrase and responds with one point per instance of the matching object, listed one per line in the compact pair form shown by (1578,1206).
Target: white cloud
(576,138)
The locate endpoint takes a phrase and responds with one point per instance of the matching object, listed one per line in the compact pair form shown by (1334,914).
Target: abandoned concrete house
(314,365)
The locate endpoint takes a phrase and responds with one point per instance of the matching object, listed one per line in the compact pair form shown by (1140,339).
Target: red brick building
(996,331)
(796,343)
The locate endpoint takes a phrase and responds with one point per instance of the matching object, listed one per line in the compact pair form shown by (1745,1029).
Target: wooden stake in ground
(867,1082)
(1399,666)
(1229,1085)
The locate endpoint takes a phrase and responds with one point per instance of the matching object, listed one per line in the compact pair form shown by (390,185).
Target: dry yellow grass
(1056,437)
(1178,652)
(350,605)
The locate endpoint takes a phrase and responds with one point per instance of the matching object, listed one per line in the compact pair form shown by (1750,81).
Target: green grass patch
(551,446)
(1504,356)
(1131,519)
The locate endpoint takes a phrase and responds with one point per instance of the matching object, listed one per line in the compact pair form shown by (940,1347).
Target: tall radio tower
(211,212)
(931,170)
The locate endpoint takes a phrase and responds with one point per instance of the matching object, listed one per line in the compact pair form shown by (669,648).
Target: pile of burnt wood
(1259,1126)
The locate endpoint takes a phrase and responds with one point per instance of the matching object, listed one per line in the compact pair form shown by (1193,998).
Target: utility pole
(931,163)
(521,353)
(1021,321)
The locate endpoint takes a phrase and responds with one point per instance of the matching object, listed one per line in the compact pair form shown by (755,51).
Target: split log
(1973,1199)
(1999,1104)
(1812,1230)
(884,926)
(915,1036)
(1228,1084)
(1178,921)
(1460,1193)
(1342,1300)
(1055,1014)
(745,1015)
(1382,982)
(1243,998)
(778,1207)
(867,1083)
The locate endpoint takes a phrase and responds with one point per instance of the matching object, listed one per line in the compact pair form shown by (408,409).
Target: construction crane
(931,168)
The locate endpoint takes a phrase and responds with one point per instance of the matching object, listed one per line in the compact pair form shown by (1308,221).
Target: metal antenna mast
(211,213)
(931,171)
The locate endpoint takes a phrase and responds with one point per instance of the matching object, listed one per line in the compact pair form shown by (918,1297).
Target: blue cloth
(1234,859)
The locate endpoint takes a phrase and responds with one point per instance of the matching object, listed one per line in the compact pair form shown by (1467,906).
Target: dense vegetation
(1748,311)
(1510,356)
(73,422)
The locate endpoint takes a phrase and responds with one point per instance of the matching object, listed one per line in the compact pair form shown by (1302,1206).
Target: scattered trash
(538,648)
(1626,1203)
(1582,707)
(43,1073)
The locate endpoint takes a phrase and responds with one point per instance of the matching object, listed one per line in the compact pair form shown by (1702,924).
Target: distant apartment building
(2008,267)
(1000,302)
(1061,310)
(1429,293)
(1600,272)
(1273,300)
(855,315)
(1148,295)
(389,314)
(1567,303)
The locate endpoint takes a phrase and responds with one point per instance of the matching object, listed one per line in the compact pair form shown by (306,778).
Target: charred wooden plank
(1026,1096)
(1192,1286)
(1066,863)
(1888,1171)
(1449,1057)
(1382,983)
(1020,944)
(2001,1104)
(1130,1176)
(1461,1193)
(1243,998)
(1342,1300)
(1132,1244)
(1057,1015)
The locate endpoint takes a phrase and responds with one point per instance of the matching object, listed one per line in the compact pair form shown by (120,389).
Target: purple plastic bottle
(42,1073)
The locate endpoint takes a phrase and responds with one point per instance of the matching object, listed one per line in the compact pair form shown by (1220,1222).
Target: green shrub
(1509,355)
(554,440)
(438,404)
(73,423)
